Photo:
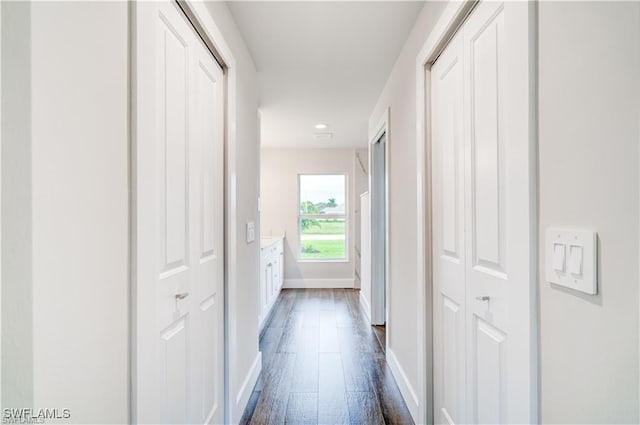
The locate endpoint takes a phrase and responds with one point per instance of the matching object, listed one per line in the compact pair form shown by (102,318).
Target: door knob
(483,298)
(182,296)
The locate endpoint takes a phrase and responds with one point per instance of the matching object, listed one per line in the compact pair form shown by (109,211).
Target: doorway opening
(379,229)
(379,225)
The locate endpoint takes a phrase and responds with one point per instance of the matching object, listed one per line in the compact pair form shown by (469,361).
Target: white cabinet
(271,275)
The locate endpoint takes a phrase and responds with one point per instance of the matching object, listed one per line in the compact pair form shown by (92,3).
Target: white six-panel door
(482,221)
(179,114)
(449,236)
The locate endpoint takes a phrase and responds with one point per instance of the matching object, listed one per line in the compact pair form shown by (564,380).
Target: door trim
(204,25)
(449,22)
(375,133)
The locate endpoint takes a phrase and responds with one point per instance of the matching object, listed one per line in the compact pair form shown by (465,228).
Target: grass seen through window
(323,239)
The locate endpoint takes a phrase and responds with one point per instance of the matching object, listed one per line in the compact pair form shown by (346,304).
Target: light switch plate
(251,232)
(579,271)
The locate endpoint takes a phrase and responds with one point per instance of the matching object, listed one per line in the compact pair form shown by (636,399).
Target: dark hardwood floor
(322,364)
(381,333)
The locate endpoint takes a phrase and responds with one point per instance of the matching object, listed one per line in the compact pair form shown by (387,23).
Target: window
(322,217)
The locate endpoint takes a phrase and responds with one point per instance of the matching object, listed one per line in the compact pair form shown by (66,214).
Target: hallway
(180,177)
(322,364)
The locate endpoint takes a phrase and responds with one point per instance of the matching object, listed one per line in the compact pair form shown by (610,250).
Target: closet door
(500,220)
(449,262)
(484,220)
(178,204)
(207,236)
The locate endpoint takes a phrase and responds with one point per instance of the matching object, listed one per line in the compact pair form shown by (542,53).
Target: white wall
(80,208)
(72,199)
(244,311)
(399,95)
(280,169)
(17,323)
(589,85)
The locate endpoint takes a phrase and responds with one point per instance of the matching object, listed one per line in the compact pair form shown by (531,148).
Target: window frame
(344,216)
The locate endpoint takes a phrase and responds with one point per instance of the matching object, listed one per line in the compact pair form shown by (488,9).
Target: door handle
(483,298)
(182,296)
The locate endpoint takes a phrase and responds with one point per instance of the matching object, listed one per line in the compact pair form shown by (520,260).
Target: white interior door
(179,374)
(501,219)
(449,261)
(208,236)
(487,66)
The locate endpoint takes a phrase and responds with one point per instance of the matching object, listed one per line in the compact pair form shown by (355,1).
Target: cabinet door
(276,281)
(269,287)
(263,285)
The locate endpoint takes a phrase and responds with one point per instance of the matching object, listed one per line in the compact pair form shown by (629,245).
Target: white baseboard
(406,390)
(318,283)
(365,306)
(242,398)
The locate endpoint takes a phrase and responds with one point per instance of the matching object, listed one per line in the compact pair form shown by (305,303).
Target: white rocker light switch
(572,259)
(558,257)
(575,260)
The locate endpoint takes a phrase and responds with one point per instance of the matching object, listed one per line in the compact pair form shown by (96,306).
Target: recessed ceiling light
(321,126)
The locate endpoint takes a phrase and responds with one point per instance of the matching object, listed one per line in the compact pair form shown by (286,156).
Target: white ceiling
(322,62)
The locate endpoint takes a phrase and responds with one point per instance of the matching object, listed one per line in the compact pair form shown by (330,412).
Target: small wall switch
(558,257)
(575,260)
(572,259)
(251,232)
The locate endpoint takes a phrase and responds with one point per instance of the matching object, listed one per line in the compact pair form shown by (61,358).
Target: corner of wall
(406,389)
(244,393)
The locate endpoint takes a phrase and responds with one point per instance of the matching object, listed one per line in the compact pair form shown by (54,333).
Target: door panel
(210,362)
(449,261)
(209,96)
(175,355)
(172,144)
(171,151)
(179,374)
(173,97)
(451,154)
(490,371)
(487,203)
(207,130)
(452,357)
(500,281)
(487,139)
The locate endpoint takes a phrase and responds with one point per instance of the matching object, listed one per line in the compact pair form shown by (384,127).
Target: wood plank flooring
(381,333)
(322,364)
